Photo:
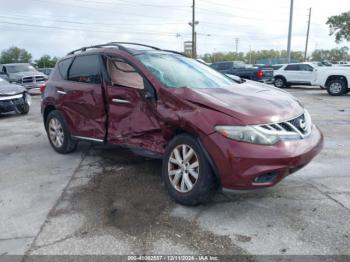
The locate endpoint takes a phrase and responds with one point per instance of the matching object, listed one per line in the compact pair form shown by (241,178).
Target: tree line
(332,55)
(19,55)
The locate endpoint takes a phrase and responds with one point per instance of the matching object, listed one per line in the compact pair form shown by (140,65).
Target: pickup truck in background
(242,70)
(335,79)
(23,74)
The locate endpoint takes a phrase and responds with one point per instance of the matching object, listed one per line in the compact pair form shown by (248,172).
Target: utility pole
(250,54)
(236,41)
(290,30)
(194,44)
(307,35)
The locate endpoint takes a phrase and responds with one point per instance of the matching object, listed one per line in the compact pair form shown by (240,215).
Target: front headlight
(247,134)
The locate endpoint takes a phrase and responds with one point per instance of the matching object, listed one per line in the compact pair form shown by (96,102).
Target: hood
(10,89)
(250,102)
(19,75)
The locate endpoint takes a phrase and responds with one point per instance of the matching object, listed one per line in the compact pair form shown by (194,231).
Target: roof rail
(83,49)
(137,44)
(116,44)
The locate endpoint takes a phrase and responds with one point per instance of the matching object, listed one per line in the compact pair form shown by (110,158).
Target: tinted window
(225,66)
(292,68)
(63,67)
(85,69)
(306,68)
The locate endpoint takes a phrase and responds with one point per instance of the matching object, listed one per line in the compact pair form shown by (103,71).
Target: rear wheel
(187,173)
(58,133)
(280,82)
(337,87)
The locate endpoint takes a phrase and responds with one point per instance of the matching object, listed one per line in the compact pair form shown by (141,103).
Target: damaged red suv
(209,130)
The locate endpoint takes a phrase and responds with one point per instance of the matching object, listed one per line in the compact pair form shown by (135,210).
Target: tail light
(260,74)
(42,88)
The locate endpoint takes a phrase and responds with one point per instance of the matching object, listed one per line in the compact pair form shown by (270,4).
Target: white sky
(55,27)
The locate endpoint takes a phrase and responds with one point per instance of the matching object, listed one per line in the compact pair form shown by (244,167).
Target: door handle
(120,101)
(61,92)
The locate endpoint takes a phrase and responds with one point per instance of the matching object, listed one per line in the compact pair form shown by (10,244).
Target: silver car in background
(23,74)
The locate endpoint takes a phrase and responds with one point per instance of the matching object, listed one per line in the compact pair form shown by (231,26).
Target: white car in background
(335,79)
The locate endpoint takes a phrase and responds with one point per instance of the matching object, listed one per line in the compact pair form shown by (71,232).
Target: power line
(84,29)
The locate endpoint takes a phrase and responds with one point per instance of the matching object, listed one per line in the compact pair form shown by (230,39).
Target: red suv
(209,130)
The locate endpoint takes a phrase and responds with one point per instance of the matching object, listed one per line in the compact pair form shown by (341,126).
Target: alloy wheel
(183,168)
(335,88)
(279,83)
(56,132)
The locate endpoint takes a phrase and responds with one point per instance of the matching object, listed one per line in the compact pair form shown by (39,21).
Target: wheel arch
(47,110)
(281,76)
(207,155)
(337,77)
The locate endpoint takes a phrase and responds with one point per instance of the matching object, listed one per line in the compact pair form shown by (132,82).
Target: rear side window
(85,69)
(292,68)
(225,66)
(306,67)
(63,67)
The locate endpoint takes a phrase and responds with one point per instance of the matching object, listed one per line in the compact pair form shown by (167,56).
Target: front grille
(26,80)
(39,79)
(32,79)
(296,127)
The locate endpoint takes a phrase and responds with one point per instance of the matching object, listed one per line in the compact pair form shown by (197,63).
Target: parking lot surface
(104,200)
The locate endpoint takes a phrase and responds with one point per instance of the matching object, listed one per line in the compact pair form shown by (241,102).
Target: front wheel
(58,133)
(337,87)
(187,173)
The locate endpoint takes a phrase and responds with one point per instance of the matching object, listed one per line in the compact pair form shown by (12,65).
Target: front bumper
(33,86)
(12,103)
(243,166)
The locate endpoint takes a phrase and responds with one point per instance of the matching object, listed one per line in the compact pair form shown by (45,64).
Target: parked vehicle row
(335,79)
(210,131)
(242,70)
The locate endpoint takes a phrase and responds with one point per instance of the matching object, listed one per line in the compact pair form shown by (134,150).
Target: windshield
(176,71)
(19,68)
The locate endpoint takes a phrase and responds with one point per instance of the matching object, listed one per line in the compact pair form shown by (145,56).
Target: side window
(305,67)
(124,74)
(63,67)
(292,68)
(225,66)
(85,69)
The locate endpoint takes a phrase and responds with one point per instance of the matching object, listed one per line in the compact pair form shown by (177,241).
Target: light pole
(290,30)
(194,38)
(307,35)
(194,51)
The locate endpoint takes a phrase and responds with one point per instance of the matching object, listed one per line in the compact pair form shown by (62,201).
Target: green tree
(335,54)
(15,55)
(339,25)
(46,61)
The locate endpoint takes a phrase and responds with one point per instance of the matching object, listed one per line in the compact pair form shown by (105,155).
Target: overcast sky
(55,27)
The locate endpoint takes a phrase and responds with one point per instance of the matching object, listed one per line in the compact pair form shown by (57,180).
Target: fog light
(265,178)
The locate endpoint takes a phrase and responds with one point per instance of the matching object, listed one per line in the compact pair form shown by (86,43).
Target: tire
(203,188)
(336,87)
(56,124)
(280,82)
(24,109)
